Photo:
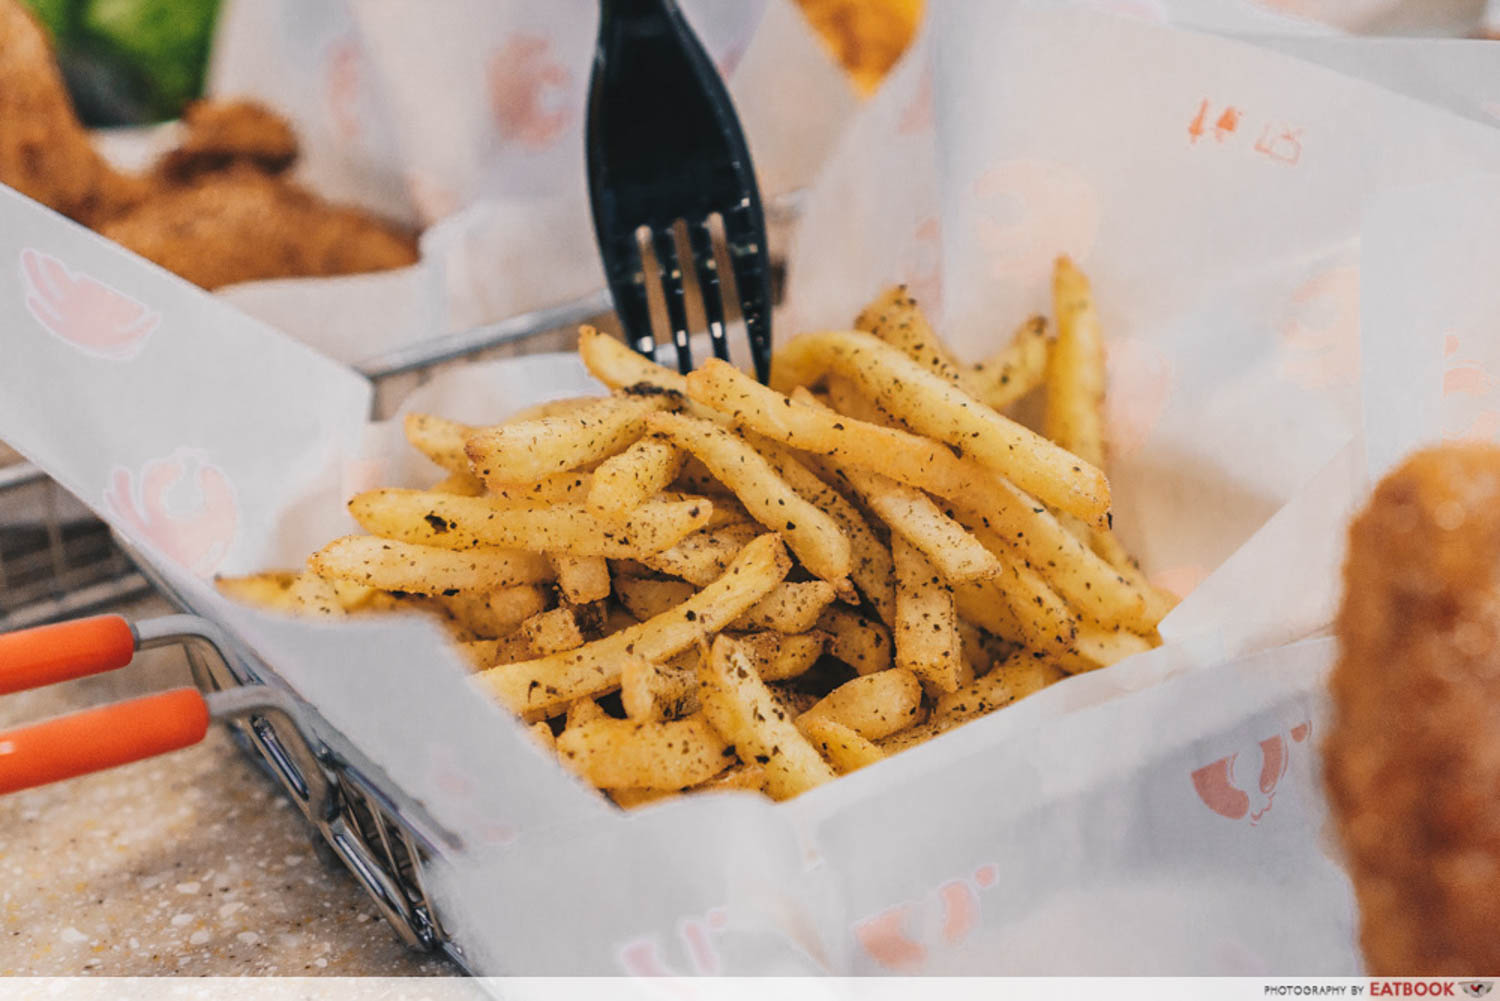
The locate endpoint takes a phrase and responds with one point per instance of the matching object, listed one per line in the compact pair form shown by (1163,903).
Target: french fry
(982,604)
(634,799)
(871,568)
(845,749)
(624,754)
(912,515)
(744,711)
(874,706)
(1072,569)
(310,594)
(417,569)
(740,778)
(777,657)
(1016,369)
(813,536)
(926,632)
(702,556)
(563,628)
(492,614)
(270,590)
(1074,413)
(629,479)
(485,654)
(542,734)
(919,734)
(617,366)
(529,450)
(559,488)
(552,408)
(895,318)
(790,608)
(1045,621)
(1094,648)
(352,597)
(462,523)
(794,607)
(582,579)
(646,598)
(862,643)
(933,407)
(1109,549)
(539,687)
(656,692)
(1021,675)
(463,484)
(583,711)
(440,439)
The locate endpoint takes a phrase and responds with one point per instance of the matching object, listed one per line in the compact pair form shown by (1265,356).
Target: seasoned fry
(310,594)
(930,405)
(913,516)
(926,632)
(871,569)
(628,480)
(583,711)
(657,691)
(353,597)
(1094,648)
(845,749)
(624,754)
(462,523)
(813,536)
(496,613)
(874,706)
(791,608)
(861,642)
(463,484)
(1074,414)
(440,439)
(702,556)
(269,590)
(617,366)
(1108,548)
(528,450)
(559,488)
(417,569)
(745,712)
(895,318)
(1045,621)
(1020,676)
(1016,369)
(582,579)
(1077,574)
(777,657)
(742,777)
(983,604)
(646,598)
(542,734)
(539,687)
(562,628)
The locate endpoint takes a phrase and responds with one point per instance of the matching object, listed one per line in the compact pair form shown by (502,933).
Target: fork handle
(636,8)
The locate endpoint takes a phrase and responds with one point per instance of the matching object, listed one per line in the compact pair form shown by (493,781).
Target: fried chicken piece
(219,133)
(1413,757)
(242,225)
(44,151)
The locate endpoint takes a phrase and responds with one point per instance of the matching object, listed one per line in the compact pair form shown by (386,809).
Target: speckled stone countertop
(191,864)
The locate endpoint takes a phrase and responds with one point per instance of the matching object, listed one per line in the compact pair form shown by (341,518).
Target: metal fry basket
(59,563)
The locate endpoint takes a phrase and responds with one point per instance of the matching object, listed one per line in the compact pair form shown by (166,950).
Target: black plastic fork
(664,145)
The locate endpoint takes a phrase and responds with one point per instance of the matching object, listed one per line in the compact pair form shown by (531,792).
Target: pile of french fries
(701,582)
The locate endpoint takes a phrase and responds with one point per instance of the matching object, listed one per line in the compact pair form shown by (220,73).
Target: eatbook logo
(642,957)
(528,86)
(898,937)
(83,311)
(181,505)
(1476,988)
(1219,786)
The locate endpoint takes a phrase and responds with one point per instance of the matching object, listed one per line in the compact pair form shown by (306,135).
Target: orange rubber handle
(96,739)
(46,655)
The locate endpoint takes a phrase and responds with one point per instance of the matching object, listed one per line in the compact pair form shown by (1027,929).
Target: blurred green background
(129,62)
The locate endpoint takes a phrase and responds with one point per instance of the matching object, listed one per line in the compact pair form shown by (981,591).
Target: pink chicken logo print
(83,311)
(1320,333)
(1218,788)
(1469,377)
(642,957)
(182,506)
(896,937)
(525,91)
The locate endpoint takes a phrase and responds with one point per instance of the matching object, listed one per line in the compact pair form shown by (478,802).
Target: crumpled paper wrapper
(1161,816)
(466,117)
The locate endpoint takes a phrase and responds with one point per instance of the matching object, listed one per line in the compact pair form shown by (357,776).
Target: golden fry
(874,706)
(862,643)
(417,569)
(463,523)
(540,687)
(629,479)
(529,450)
(582,579)
(701,557)
(845,749)
(1074,414)
(926,631)
(1016,369)
(622,753)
